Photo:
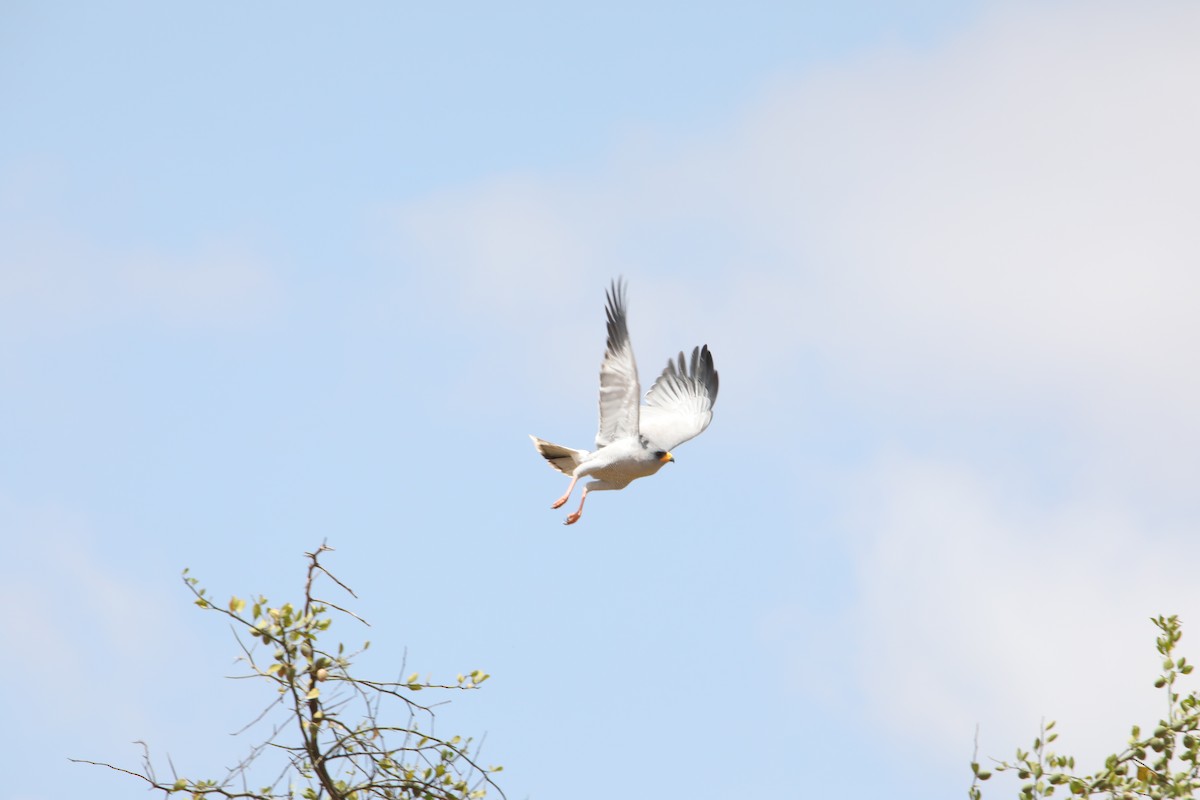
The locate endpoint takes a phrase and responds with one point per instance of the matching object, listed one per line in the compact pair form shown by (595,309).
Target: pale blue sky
(274,273)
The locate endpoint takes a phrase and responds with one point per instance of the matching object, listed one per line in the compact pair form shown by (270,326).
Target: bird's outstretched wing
(619,387)
(679,404)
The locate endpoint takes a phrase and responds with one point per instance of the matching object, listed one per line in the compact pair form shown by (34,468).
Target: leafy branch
(325,723)
(1165,764)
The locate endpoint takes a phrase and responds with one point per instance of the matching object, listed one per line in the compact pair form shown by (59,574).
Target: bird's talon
(571,519)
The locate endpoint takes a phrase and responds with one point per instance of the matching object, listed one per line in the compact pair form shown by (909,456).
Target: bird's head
(663,456)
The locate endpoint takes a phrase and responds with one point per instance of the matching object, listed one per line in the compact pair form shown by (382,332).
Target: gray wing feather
(619,387)
(679,404)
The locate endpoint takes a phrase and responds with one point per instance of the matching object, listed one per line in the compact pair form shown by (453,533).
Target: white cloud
(1005,225)
(78,624)
(1016,207)
(102,637)
(507,236)
(56,280)
(979,607)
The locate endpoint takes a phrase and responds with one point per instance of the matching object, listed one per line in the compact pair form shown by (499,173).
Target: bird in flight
(635,440)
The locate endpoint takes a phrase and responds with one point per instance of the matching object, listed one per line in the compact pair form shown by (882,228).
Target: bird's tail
(563,459)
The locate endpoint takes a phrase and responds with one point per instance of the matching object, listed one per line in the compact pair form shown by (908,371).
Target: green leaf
(313,694)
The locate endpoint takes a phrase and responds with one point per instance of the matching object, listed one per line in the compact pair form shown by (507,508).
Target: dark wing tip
(703,372)
(712,379)
(614,312)
(698,371)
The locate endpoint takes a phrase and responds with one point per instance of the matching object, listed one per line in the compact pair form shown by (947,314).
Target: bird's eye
(660,454)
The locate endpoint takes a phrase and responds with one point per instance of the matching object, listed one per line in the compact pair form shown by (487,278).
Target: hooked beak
(667,457)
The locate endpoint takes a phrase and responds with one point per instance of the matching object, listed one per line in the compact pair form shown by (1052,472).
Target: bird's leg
(560,501)
(573,518)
